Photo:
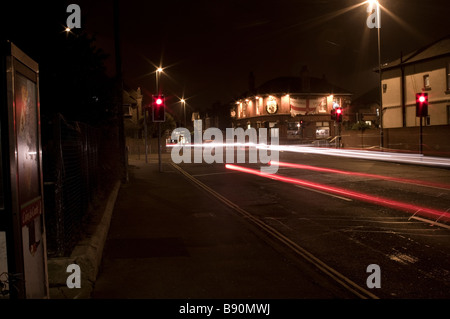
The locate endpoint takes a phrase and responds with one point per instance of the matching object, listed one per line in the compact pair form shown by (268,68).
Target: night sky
(208,48)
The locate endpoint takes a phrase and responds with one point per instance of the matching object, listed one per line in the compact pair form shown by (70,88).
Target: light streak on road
(366,155)
(336,171)
(418,159)
(416,210)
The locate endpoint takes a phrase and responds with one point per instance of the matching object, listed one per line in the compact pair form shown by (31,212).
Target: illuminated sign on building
(272,106)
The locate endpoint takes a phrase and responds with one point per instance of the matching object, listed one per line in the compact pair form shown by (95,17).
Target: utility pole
(158,72)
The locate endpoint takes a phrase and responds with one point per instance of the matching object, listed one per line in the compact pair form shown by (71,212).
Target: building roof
(130,96)
(436,49)
(291,85)
(302,85)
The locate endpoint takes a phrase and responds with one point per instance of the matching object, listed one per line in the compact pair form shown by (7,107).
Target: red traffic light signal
(158,108)
(421,104)
(339,114)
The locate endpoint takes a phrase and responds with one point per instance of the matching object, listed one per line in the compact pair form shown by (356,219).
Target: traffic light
(422,104)
(158,108)
(333,114)
(339,114)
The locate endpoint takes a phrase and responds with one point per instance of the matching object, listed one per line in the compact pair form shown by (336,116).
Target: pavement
(87,254)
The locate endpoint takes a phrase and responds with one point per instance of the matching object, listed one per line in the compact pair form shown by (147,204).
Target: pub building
(298,106)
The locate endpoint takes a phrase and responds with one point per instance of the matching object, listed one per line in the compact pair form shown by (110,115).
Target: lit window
(426,81)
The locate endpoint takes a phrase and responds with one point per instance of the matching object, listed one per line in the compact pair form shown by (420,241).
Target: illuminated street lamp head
(159,70)
(372,2)
(67,29)
(183,100)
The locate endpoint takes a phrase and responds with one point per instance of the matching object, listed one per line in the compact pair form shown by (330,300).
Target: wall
(435,139)
(414,83)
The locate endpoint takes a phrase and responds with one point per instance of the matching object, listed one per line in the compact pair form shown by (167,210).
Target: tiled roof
(433,50)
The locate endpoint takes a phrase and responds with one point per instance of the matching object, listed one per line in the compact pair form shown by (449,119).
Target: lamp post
(379,74)
(183,101)
(374,21)
(145,134)
(158,74)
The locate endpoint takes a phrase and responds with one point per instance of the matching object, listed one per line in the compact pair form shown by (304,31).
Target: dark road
(350,234)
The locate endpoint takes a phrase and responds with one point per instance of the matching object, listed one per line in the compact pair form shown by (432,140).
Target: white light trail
(419,159)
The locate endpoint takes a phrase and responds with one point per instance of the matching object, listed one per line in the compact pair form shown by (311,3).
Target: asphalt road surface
(343,222)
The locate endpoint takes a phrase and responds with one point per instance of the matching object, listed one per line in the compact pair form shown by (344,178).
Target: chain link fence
(78,161)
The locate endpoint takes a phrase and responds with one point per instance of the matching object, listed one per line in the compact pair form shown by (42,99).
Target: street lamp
(374,21)
(158,74)
(183,101)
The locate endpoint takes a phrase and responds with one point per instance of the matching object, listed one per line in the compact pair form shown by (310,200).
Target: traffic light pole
(159,146)
(339,132)
(421,137)
(158,115)
(421,112)
(145,132)
(159,125)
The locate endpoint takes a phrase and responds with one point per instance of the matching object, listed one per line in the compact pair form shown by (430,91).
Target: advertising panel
(29,187)
(21,211)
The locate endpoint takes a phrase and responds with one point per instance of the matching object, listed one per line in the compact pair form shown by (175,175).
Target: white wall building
(425,70)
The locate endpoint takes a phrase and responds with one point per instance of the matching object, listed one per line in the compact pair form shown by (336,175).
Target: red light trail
(336,171)
(417,210)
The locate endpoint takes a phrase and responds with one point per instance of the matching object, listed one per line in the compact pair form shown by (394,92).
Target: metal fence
(75,156)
